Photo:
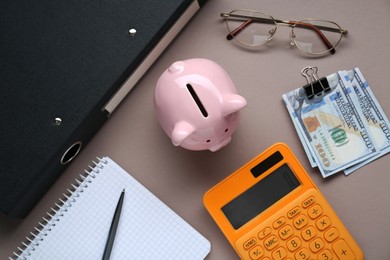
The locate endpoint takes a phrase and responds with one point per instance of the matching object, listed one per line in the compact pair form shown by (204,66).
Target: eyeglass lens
(316,37)
(251,28)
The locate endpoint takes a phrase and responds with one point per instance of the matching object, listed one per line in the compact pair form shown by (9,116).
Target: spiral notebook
(79,225)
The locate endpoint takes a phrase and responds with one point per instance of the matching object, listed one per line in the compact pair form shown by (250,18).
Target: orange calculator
(271,209)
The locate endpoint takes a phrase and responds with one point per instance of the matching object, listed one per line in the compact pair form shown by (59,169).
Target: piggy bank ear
(181,131)
(232,103)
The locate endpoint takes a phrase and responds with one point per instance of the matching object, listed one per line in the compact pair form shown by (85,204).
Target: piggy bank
(197,104)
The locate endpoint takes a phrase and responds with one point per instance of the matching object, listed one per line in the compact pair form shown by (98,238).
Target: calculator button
(271,242)
(294,243)
(315,211)
(308,233)
(300,221)
(331,234)
(256,252)
(323,223)
(249,243)
(325,255)
(286,232)
(280,221)
(293,212)
(302,254)
(342,250)
(265,232)
(307,202)
(279,253)
(317,245)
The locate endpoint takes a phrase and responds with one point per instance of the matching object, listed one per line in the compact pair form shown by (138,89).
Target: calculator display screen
(260,196)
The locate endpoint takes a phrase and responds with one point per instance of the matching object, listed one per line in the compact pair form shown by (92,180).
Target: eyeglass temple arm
(316,28)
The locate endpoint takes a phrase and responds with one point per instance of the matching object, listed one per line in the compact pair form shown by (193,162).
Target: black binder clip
(315,86)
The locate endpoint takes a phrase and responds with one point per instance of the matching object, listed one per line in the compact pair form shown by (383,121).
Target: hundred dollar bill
(332,126)
(377,121)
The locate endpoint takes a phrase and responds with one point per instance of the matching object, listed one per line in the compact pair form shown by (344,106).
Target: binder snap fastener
(57,121)
(71,153)
(132,32)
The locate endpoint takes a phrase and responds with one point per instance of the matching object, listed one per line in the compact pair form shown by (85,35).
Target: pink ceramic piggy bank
(197,104)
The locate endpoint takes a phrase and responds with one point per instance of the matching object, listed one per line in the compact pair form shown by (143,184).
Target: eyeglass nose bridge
(288,24)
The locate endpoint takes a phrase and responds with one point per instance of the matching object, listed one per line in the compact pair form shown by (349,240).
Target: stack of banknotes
(342,129)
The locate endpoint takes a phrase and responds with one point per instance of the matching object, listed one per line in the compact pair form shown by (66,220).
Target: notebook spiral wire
(60,208)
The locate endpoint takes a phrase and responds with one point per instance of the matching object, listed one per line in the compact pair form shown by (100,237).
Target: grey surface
(135,140)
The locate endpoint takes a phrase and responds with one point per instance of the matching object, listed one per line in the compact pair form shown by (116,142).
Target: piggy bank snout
(221,144)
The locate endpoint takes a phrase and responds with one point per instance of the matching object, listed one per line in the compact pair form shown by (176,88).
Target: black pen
(113,228)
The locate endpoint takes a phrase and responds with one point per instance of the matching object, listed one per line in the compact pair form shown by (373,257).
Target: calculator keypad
(307,228)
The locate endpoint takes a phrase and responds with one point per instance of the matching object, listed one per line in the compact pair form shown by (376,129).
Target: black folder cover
(60,63)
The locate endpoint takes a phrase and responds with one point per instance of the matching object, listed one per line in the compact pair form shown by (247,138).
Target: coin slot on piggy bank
(197,104)
(197,100)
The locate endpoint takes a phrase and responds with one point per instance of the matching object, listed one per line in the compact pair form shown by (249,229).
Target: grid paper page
(148,229)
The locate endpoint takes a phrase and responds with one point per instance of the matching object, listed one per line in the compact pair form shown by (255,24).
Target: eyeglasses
(312,36)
